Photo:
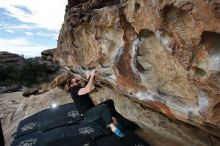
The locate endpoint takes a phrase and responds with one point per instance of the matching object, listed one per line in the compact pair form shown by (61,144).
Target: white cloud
(14,42)
(22,46)
(16,27)
(53,35)
(47,14)
(36,15)
(11,31)
(29,33)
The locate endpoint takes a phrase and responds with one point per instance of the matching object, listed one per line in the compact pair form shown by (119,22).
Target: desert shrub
(26,73)
(45,86)
(8,74)
(30,72)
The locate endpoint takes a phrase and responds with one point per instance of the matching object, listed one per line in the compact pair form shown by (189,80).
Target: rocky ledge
(6,57)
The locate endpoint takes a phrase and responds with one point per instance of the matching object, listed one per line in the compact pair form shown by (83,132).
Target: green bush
(27,73)
(31,71)
(8,74)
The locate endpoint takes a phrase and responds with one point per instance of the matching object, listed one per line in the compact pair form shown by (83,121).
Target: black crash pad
(60,137)
(74,131)
(77,140)
(32,139)
(29,125)
(62,115)
(63,126)
(49,119)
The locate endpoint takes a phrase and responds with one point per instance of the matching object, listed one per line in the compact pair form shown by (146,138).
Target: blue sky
(30,26)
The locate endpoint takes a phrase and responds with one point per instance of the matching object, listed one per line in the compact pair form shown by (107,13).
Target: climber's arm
(90,85)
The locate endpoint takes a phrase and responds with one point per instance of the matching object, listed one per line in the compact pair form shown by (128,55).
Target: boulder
(30,91)
(47,54)
(6,57)
(162,54)
(11,88)
(60,80)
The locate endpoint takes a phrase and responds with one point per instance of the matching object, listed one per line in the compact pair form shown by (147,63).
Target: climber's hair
(67,86)
(69,82)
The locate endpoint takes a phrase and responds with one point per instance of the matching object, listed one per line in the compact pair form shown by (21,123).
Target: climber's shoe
(118,132)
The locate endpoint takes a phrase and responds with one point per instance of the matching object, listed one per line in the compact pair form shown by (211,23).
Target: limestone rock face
(47,54)
(60,80)
(162,54)
(155,128)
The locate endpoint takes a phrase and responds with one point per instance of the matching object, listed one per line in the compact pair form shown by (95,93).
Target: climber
(86,107)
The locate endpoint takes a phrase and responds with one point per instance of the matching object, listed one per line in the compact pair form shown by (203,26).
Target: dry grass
(45,87)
